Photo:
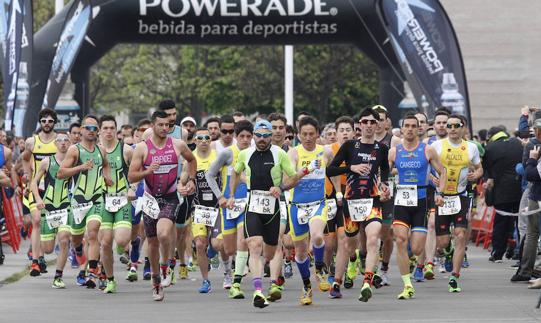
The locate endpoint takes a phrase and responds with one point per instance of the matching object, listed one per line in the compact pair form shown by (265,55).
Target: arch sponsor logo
(237,8)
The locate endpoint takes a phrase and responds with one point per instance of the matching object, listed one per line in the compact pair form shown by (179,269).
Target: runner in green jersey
(56,218)
(116,214)
(86,163)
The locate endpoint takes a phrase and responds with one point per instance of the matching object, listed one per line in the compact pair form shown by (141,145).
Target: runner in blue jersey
(412,160)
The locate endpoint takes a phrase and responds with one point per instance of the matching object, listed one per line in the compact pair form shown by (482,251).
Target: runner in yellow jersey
(206,209)
(37,148)
(457,156)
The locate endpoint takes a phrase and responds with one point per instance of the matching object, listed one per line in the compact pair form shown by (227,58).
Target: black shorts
(336,222)
(414,217)
(430,198)
(263,225)
(460,220)
(168,210)
(387,209)
(184,211)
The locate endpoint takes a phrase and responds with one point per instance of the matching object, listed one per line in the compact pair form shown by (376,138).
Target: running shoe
(102,282)
(73,259)
(275,292)
(418,275)
(235,292)
(266,270)
(465,263)
(288,269)
(335,291)
(34,270)
(385,279)
(323,280)
(132,275)
(173,277)
(306,296)
(205,287)
(377,282)
(111,287)
(157,292)
(124,258)
(91,281)
(348,282)
(429,272)
(259,300)
(413,264)
(166,277)
(228,281)
(442,266)
(146,271)
(407,293)
(80,279)
(42,267)
(183,272)
(448,263)
(453,285)
(58,283)
(366,293)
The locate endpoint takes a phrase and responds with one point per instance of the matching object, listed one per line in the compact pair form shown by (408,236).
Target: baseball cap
(188,119)
(263,124)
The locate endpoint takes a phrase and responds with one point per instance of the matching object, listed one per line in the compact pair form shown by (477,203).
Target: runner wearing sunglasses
(87,164)
(264,166)
(38,147)
(457,156)
(227,134)
(367,172)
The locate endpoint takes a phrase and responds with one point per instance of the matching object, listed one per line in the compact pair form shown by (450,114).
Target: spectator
(501,156)
(530,159)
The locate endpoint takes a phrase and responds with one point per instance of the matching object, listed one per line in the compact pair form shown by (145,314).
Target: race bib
(205,215)
(80,210)
(283,211)
(332,208)
(451,205)
(306,211)
(57,218)
(406,195)
(262,202)
(359,210)
(114,202)
(238,208)
(150,206)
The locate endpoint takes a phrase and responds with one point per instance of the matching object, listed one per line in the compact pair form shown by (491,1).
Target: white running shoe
(228,280)
(385,279)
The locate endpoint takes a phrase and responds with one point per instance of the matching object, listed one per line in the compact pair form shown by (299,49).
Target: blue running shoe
(211,253)
(205,287)
(418,275)
(73,259)
(449,264)
(146,272)
(330,279)
(81,279)
(465,263)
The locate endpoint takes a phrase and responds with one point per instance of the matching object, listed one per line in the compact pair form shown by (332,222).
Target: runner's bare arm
(35,182)
(106,170)
(68,168)
(136,172)
(26,159)
(438,166)
(128,154)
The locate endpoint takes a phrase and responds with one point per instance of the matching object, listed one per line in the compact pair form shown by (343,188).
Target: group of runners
(255,197)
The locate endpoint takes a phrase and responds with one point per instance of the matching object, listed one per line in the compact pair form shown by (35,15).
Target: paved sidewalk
(15,263)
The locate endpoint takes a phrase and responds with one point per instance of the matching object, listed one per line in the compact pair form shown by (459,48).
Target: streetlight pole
(289,78)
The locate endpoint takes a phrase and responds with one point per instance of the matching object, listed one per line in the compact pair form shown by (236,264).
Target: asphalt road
(487,296)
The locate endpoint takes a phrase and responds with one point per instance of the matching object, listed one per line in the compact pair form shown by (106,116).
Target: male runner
(156,161)
(36,149)
(457,156)
(56,218)
(427,256)
(227,133)
(213,125)
(335,218)
(206,204)
(367,172)
(412,160)
(116,215)
(308,208)
(233,220)
(86,163)
(264,166)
